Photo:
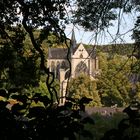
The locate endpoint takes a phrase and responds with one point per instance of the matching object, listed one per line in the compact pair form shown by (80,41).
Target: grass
(102,124)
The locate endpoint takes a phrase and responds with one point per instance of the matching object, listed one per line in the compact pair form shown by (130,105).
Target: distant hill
(121,49)
(54,42)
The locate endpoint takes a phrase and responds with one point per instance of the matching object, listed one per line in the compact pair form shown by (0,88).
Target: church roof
(61,53)
(58,53)
(91,52)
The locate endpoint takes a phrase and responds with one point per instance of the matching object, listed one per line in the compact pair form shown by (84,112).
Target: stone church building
(69,62)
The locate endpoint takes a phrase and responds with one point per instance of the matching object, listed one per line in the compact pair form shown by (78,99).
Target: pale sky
(125,30)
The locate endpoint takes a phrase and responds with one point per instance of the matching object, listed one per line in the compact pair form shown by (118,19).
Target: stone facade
(70,62)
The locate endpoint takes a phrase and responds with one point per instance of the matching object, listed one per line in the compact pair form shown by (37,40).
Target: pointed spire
(73,40)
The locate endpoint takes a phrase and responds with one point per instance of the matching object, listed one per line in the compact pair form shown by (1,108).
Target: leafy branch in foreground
(27,118)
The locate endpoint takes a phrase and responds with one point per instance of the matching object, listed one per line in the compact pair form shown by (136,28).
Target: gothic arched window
(65,65)
(81,68)
(67,74)
(52,66)
(57,69)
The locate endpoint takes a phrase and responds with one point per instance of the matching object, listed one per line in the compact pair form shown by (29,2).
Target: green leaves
(85,100)
(3,93)
(39,98)
(35,117)
(94,15)
(84,89)
(114,83)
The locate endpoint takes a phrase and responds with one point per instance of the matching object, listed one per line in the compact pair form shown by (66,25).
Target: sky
(125,30)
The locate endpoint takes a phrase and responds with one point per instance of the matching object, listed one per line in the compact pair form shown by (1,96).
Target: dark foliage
(136,36)
(22,63)
(22,120)
(96,15)
(19,118)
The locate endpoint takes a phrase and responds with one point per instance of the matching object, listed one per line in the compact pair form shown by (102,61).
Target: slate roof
(91,52)
(61,53)
(57,53)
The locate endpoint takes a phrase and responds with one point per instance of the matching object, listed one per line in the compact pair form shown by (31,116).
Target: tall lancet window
(52,66)
(81,68)
(65,65)
(57,70)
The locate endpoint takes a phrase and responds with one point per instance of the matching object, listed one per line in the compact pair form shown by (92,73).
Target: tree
(83,86)
(114,84)
(95,15)
(19,19)
(137,91)
(136,36)
(33,116)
